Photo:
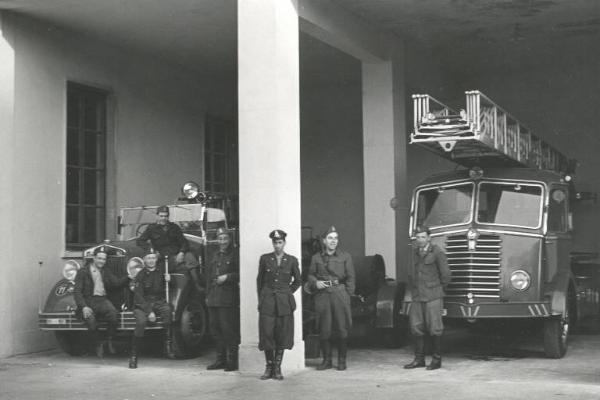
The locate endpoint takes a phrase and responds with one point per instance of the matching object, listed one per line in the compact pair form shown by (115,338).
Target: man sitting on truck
(91,283)
(149,298)
(166,238)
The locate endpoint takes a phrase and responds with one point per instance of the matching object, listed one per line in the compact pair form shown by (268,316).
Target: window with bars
(221,156)
(86,166)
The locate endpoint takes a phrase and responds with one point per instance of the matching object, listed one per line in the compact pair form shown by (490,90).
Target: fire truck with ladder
(505,221)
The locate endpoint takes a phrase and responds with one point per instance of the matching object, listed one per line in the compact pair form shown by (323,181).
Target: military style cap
(277,234)
(101,249)
(330,230)
(162,209)
(223,231)
(422,229)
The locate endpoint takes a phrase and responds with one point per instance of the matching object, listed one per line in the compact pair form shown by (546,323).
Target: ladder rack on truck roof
(482,135)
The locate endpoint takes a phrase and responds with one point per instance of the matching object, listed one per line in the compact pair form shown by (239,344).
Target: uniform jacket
(84,284)
(429,274)
(226,294)
(337,266)
(149,287)
(276,284)
(169,241)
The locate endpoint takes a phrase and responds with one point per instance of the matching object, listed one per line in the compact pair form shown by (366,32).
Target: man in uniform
(149,299)
(278,278)
(91,283)
(427,279)
(223,301)
(166,238)
(331,273)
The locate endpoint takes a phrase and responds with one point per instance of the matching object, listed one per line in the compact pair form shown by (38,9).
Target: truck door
(558,238)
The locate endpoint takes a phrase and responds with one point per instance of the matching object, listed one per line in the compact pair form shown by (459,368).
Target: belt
(333,282)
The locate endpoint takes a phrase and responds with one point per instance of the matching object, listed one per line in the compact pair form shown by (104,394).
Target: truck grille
(476,271)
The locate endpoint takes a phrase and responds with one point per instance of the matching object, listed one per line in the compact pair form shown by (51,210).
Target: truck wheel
(556,335)
(189,332)
(72,343)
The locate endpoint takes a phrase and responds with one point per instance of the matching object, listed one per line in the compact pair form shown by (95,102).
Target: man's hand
(152,317)
(321,285)
(221,279)
(87,312)
(167,277)
(180,257)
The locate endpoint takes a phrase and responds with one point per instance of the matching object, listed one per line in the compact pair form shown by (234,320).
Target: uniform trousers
(224,325)
(425,317)
(103,310)
(159,307)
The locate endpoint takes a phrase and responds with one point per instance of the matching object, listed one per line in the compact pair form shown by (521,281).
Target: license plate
(56,321)
(444,312)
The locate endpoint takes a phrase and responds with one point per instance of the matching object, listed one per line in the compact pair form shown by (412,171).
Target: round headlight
(134,265)
(70,270)
(190,190)
(520,280)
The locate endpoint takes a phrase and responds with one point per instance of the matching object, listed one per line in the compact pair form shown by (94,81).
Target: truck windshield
(513,204)
(445,205)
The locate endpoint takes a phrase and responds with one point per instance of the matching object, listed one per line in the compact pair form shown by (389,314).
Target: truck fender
(389,303)
(558,290)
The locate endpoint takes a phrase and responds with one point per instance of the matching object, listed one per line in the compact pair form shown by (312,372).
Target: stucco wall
(156,142)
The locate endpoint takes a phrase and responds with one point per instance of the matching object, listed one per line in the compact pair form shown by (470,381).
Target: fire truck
(199,215)
(505,221)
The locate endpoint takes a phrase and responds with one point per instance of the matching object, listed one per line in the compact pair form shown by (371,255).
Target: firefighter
(278,278)
(223,301)
(331,274)
(427,279)
(167,239)
(91,283)
(149,299)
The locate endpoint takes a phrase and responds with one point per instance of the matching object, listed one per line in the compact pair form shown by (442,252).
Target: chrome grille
(476,271)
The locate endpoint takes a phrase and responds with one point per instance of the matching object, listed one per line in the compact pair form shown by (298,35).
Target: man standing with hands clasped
(427,279)
(278,278)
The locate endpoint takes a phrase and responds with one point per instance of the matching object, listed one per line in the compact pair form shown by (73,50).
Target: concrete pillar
(384,155)
(7,100)
(269,155)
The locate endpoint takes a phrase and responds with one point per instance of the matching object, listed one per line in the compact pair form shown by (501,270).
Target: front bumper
(68,321)
(492,310)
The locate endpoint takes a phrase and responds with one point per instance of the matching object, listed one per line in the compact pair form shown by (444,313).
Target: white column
(7,100)
(384,156)
(269,156)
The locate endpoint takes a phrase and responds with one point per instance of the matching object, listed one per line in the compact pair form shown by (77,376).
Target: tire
(189,332)
(556,335)
(72,343)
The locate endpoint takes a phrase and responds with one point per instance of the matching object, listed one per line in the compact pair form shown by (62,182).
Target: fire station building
(302,107)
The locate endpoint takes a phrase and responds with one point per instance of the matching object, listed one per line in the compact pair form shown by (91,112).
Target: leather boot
(110,346)
(133,353)
(342,351)
(100,349)
(419,360)
(169,346)
(277,370)
(436,361)
(326,349)
(269,365)
(220,361)
(232,358)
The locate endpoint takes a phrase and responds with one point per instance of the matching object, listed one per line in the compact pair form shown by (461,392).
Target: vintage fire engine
(199,216)
(505,221)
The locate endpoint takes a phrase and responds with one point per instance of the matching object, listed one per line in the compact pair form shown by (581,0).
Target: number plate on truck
(444,312)
(56,321)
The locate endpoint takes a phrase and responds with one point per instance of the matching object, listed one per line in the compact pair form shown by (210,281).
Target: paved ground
(475,367)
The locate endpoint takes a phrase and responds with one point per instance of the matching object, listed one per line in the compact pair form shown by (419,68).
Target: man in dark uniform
(91,283)
(166,238)
(427,279)
(223,301)
(149,299)
(331,273)
(278,278)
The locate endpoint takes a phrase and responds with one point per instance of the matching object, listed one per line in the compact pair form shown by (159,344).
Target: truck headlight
(520,280)
(190,190)
(70,270)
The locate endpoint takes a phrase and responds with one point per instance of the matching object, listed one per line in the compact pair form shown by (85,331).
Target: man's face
(224,240)
(278,245)
(150,261)
(422,239)
(331,241)
(163,218)
(100,260)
